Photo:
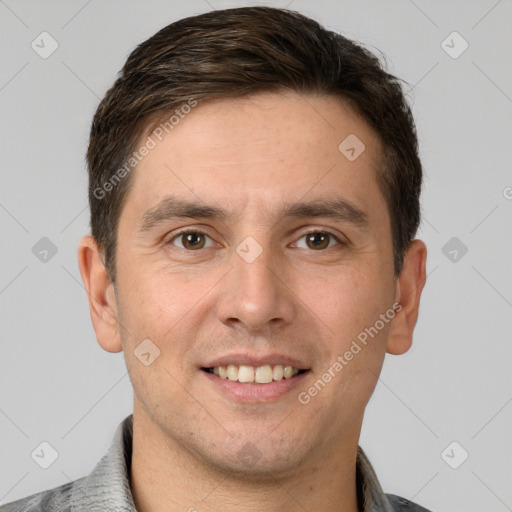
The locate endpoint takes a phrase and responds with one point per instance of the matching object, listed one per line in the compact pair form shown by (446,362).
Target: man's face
(252,287)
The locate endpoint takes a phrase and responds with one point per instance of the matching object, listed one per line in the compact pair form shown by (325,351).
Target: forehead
(265,148)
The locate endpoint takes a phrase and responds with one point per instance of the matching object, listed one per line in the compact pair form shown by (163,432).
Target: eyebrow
(173,208)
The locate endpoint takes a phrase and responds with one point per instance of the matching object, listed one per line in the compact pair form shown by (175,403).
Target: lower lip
(252,392)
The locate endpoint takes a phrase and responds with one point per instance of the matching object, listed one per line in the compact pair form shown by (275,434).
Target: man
(254,193)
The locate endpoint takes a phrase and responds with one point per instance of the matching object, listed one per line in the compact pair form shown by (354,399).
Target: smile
(256,375)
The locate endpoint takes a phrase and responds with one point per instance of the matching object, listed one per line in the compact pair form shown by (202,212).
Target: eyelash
(310,232)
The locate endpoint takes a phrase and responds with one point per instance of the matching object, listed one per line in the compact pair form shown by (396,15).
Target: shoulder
(400,504)
(57,499)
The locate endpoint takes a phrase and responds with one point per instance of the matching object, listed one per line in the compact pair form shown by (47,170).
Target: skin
(250,156)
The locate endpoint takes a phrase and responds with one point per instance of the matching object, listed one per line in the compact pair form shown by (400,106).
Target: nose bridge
(254,293)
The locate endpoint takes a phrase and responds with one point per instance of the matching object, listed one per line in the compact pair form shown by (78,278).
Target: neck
(165,476)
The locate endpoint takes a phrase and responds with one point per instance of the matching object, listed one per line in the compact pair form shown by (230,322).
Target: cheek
(169,309)
(356,387)
(153,302)
(355,361)
(358,335)
(350,301)
(154,311)
(151,311)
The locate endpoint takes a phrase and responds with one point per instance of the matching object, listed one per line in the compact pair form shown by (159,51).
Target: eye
(195,240)
(191,240)
(318,240)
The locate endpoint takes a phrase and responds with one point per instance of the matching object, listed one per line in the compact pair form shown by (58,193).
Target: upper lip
(255,360)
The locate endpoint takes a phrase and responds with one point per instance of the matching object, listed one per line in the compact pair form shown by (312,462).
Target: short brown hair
(234,53)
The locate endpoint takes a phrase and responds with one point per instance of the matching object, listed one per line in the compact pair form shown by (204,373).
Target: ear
(100,292)
(408,292)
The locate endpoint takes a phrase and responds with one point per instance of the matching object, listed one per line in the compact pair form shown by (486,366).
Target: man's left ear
(408,292)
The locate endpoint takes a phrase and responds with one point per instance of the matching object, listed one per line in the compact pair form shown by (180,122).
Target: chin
(265,458)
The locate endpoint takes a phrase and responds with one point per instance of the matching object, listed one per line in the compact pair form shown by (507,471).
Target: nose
(255,293)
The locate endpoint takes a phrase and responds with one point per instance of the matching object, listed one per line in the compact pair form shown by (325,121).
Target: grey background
(58,385)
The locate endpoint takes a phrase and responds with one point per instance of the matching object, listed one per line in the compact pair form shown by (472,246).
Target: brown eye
(190,240)
(319,240)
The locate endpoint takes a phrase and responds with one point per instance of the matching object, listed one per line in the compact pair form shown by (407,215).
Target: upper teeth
(261,374)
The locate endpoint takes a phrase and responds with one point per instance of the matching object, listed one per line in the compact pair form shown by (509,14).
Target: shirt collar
(107,487)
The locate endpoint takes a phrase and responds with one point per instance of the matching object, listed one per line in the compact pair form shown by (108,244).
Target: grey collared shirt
(107,487)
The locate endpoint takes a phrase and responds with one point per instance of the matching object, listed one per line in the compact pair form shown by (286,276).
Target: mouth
(248,374)
(254,381)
